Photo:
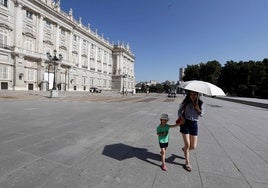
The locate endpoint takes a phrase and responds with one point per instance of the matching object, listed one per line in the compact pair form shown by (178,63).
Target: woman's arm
(197,108)
(181,110)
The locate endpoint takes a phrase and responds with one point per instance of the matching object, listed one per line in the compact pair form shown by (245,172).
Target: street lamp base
(54,93)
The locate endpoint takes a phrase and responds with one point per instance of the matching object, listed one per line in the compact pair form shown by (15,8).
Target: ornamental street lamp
(54,60)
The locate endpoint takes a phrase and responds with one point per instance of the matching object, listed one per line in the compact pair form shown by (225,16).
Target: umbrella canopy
(202,87)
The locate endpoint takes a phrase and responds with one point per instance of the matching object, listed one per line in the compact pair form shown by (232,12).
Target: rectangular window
(62,78)
(104,82)
(30,86)
(63,53)
(48,24)
(75,38)
(3,3)
(31,74)
(3,72)
(84,43)
(29,43)
(29,15)
(75,60)
(4,85)
(84,80)
(3,36)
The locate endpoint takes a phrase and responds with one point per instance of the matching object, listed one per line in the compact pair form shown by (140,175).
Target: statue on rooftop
(71,12)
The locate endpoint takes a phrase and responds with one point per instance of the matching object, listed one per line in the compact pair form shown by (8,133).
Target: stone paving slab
(106,141)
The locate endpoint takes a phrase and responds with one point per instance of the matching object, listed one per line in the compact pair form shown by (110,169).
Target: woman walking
(190,110)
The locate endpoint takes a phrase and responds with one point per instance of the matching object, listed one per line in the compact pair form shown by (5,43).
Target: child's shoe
(164,167)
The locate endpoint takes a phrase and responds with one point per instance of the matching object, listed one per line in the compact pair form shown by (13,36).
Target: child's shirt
(163,139)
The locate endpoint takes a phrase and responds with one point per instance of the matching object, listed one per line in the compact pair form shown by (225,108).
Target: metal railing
(5,46)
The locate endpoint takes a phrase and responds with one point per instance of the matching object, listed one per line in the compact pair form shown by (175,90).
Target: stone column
(70,46)
(79,50)
(40,34)
(57,37)
(88,55)
(117,65)
(18,26)
(96,58)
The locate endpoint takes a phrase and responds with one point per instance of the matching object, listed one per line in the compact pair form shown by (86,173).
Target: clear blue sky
(165,35)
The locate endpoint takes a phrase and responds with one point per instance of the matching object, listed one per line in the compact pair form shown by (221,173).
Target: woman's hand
(196,106)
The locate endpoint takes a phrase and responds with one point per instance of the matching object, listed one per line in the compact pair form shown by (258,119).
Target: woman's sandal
(188,168)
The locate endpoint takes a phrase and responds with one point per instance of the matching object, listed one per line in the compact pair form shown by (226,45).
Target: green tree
(248,79)
(228,77)
(263,88)
(143,88)
(257,77)
(191,73)
(243,77)
(158,88)
(210,71)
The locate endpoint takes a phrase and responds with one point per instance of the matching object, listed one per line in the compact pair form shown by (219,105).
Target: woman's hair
(187,99)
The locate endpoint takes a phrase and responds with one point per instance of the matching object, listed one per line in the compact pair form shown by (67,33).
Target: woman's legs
(186,148)
(190,143)
(193,142)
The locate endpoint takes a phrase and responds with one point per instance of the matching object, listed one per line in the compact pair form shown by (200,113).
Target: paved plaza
(109,141)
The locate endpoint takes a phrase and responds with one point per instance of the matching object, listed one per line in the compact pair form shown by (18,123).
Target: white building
(181,73)
(31,28)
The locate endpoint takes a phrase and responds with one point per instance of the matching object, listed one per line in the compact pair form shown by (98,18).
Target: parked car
(95,90)
(172,94)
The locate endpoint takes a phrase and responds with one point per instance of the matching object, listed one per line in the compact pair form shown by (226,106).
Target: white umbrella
(202,87)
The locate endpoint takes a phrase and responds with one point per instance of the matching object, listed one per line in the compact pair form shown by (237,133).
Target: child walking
(163,137)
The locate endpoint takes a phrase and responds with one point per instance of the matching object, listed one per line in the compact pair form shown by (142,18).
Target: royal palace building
(30,30)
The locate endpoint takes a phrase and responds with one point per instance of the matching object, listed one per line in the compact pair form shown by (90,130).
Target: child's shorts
(163,145)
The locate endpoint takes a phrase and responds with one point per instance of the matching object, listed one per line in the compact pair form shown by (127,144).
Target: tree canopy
(247,79)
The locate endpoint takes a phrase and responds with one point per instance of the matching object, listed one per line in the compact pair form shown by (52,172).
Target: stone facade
(31,28)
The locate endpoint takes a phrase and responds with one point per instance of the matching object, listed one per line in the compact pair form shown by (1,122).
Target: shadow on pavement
(121,152)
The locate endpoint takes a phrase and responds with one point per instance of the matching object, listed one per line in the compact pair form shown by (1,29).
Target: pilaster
(70,46)
(18,26)
(79,50)
(57,37)
(40,34)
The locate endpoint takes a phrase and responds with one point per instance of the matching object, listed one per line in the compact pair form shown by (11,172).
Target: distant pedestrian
(190,110)
(163,137)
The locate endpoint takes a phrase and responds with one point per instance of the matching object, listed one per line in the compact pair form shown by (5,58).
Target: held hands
(180,121)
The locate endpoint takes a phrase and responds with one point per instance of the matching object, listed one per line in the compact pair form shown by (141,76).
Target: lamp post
(124,76)
(54,60)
